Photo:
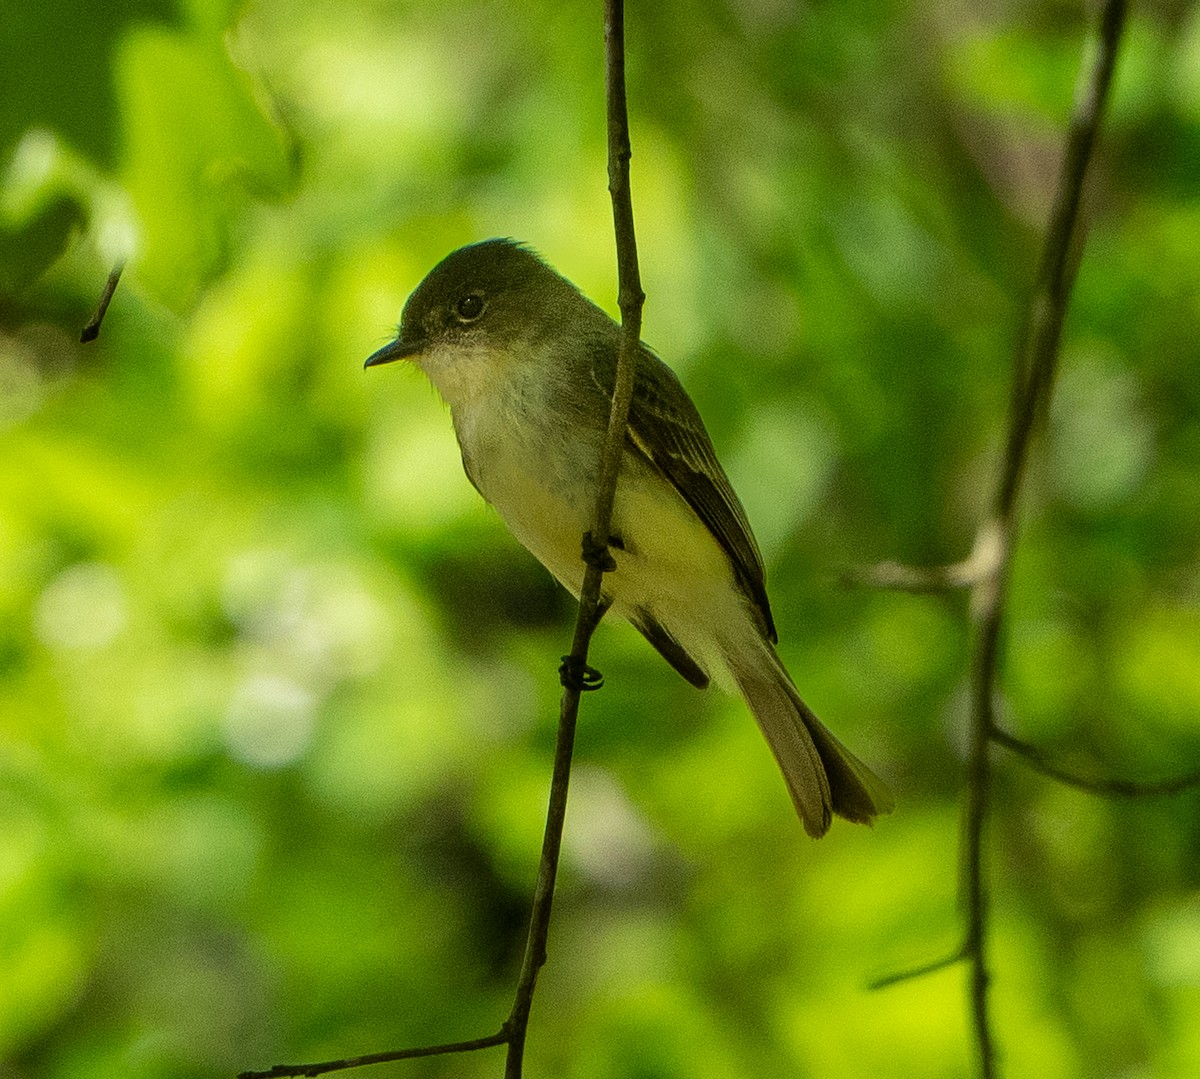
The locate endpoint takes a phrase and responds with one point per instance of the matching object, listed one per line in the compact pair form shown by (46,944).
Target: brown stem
(92,330)
(1033,381)
(924,970)
(1106,788)
(576,675)
(377,1058)
(630,298)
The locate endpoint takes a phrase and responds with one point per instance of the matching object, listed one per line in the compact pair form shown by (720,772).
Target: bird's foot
(577,675)
(598,555)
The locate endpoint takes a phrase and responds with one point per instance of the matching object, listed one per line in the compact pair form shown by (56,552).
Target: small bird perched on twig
(527,365)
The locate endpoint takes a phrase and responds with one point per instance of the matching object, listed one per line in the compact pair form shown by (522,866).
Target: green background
(277,691)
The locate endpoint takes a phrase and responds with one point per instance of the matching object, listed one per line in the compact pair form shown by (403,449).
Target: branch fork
(986,570)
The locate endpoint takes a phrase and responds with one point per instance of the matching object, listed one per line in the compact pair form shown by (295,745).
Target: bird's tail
(823,776)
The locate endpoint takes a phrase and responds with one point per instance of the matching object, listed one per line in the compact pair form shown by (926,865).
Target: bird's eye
(470,307)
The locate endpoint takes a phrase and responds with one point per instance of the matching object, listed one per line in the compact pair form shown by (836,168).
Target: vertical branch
(576,675)
(630,298)
(979,783)
(1034,373)
(1037,358)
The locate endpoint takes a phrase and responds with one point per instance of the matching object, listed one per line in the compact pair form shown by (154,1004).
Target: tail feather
(822,775)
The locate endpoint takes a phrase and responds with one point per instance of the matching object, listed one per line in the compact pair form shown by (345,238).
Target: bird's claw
(577,675)
(597,554)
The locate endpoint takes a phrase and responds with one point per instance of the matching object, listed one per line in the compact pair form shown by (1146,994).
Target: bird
(527,365)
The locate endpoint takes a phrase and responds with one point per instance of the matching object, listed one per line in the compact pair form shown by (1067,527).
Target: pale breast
(539,476)
(538,469)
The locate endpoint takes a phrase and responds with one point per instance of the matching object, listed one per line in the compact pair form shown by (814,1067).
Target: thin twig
(980,565)
(983,673)
(1033,380)
(1107,788)
(956,956)
(576,675)
(92,330)
(279,1070)
(1038,354)
(630,299)
(921,580)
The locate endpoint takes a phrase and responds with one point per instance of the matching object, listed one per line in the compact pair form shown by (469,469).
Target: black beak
(397,350)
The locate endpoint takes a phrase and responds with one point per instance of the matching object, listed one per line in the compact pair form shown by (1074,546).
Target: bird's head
(482,309)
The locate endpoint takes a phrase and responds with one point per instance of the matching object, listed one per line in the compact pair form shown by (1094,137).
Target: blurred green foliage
(277,692)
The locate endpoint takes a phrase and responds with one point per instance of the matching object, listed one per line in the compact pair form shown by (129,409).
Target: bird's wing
(667,431)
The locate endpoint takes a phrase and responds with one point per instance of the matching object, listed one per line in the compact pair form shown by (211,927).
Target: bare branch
(1033,379)
(595,548)
(92,330)
(576,676)
(920,972)
(322,1068)
(1038,351)
(986,570)
(980,565)
(1106,788)
(897,577)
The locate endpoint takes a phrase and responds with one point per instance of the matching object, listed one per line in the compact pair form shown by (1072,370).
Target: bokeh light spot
(84,607)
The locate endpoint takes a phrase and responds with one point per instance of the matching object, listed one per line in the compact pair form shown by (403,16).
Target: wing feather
(667,431)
